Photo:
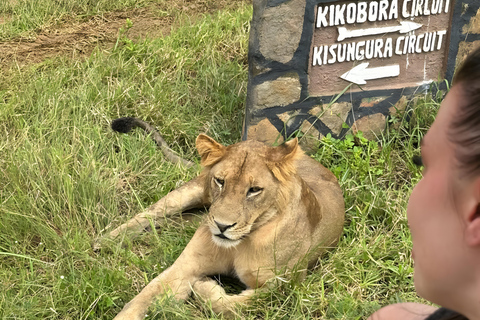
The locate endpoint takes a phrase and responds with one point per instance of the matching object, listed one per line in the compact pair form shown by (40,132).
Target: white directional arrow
(360,73)
(404,27)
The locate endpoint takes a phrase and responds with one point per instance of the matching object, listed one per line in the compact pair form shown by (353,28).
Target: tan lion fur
(272,209)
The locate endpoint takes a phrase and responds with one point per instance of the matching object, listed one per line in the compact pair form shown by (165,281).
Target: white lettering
(322,17)
(382,12)
(414,3)
(398,44)
(418,9)
(393,10)
(440,38)
(333,59)
(360,53)
(317,56)
(405,13)
(325,52)
(378,48)
(433,41)
(354,51)
(362,12)
(332,7)
(418,49)
(447,4)
(426,11)
(341,52)
(436,6)
(415,8)
(339,14)
(427,42)
(369,49)
(411,44)
(373,11)
(388,48)
(351,13)
(351,51)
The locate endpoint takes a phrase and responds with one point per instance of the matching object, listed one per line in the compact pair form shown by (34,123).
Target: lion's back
(329,195)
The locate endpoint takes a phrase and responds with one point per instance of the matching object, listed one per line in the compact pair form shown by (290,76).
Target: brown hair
(465,127)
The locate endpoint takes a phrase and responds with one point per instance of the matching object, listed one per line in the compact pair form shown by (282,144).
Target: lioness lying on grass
(272,209)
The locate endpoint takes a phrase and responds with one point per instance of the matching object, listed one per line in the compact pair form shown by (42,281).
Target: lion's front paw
(129,312)
(206,288)
(127,317)
(122,316)
(211,292)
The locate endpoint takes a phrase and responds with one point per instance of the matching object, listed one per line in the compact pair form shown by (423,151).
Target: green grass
(25,18)
(66,178)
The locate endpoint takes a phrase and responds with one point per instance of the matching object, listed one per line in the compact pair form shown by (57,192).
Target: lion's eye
(253,191)
(219,182)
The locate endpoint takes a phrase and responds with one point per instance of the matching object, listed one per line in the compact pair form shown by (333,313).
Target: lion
(271,210)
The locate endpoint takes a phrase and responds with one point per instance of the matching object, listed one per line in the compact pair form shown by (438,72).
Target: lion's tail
(125,125)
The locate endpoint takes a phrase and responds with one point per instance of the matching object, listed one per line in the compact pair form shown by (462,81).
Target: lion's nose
(224,227)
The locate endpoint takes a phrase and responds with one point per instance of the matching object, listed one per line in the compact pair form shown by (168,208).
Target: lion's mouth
(224,237)
(223,241)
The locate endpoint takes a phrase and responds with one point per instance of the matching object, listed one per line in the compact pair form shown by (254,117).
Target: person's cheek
(413,206)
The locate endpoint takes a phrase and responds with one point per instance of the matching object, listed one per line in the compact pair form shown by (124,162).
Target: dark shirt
(444,314)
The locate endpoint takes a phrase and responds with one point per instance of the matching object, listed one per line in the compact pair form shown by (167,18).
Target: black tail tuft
(123,125)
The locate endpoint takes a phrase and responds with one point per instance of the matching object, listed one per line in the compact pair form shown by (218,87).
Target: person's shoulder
(403,311)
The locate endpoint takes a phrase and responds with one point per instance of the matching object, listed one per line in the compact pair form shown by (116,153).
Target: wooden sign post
(379,53)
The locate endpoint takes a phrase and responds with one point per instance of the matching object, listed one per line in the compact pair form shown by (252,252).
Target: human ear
(472,231)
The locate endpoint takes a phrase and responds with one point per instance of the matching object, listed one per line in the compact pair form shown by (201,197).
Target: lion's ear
(210,150)
(281,159)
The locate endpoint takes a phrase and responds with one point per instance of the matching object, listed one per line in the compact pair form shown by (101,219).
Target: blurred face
(434,215)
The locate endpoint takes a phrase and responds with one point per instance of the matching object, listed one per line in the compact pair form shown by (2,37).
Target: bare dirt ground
(78,39)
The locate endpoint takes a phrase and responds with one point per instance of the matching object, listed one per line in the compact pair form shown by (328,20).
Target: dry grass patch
(76,37)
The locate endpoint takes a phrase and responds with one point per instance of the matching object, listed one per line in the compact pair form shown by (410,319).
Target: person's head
(443,210)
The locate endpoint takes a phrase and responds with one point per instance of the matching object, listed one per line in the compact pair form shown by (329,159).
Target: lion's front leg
(200,257)
(169,281)
(210,291)
(190,195)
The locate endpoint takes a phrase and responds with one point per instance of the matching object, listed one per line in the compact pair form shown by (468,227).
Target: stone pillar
(297,74)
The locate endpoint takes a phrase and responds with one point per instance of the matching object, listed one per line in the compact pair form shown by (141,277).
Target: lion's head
(247,184)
